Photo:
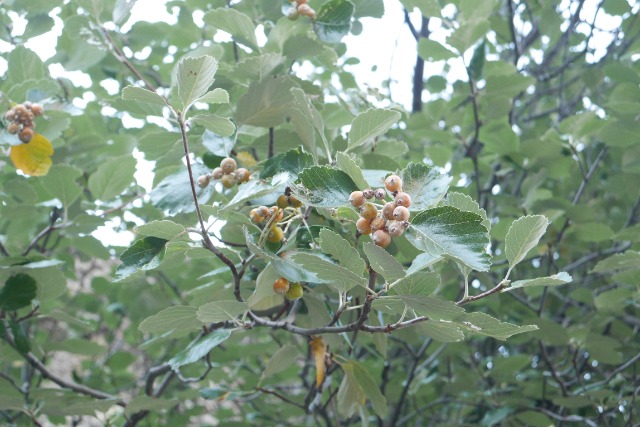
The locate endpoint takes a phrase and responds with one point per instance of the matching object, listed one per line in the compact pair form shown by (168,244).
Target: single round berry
(281,286)
(264,211)
(378,224)
(203,181)
(295,202)
(228,165)
(217,173)
(275,235)
(228,180)
(10,115)
(368,211)
(395,228)
(25,135)
(255,216)
(393,183)
(20,110)
(368,193)
(295,291)
(381,238)
(380,194)
(403,199)
(27,104)
(282,202)
(401,213)
(363,226)
(387,210)
(242,175)
(357,199)
(275,211)
(292,13)
(13,128)
(37,109)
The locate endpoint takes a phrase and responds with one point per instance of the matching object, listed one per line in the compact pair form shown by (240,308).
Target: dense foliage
(310,252)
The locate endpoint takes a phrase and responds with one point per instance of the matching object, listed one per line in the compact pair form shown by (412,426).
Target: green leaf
(323,186)
(434,308)
(256,188)
(440,331)
(235,23)
(448,231)
(164,229)
(483,324)
(179,317)
(216,96)
(112,177)
(338,277)
(431,50)
(618,262)
(476,65)
(420,283)
(370,389)
(138,94)
(467,204)
(147,403)
(428,8)
(283,358)
(173,193)
(24,64)
(266,103)
(144,254)
(20,337)
(333,244)
(293,161)
(523,235)
(555,280)
(383,263)
(284,265)
(425,185)
(199,349)
(220,311)
(218,125)
(195,76)
(350,395)
(18,291)
(369,125)
(333,20)
(60,182)
(349,166)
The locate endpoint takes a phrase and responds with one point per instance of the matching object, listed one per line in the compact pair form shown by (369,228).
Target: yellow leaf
(246,158)
(319,350)
(33,158)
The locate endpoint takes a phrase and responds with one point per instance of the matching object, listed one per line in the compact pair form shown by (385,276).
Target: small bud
(203,181)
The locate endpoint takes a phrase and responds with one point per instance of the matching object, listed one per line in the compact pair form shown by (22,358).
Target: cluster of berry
(300,7)
(228,173)
(274,215)
(21,117)
(292,291)
(391,220)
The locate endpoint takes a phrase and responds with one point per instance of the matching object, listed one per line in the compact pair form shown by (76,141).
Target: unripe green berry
(295,291)
(275,235)
(294,202)
(368,211)
(282,202)
(228,180)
